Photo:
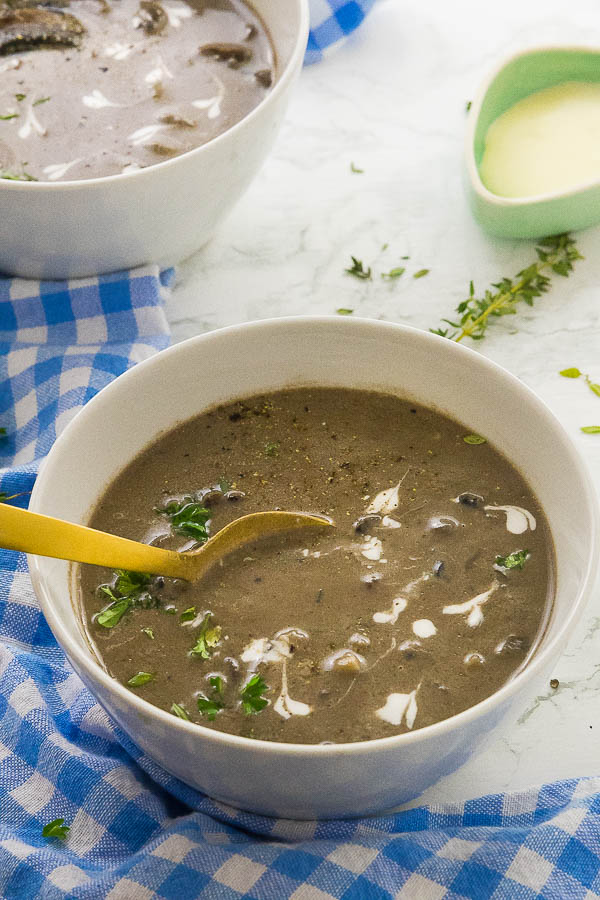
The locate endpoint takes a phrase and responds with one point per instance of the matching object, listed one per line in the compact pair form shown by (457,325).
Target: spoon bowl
(31,532)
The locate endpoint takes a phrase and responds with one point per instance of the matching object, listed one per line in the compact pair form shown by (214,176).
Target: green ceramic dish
(543,214)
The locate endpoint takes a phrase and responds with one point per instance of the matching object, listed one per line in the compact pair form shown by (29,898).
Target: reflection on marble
(393,102)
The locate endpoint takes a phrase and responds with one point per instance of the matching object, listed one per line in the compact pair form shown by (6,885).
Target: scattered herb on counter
(208,638)
(20,97)
(575,373)
(358,270)
(148,632)
(188,518)
(188,614)
(2,432)
(474,439)
(514,560)
(56,828)
(251,695)
(40,101)
(9,116)
(178,710)
(356,170)
(16,176)
(555,254)
(140,678)
(272,448)
(590,429)
(393,273)
(468,105)
(421,273)
(342,311)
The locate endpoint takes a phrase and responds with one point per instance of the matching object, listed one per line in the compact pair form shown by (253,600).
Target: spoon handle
(31,532)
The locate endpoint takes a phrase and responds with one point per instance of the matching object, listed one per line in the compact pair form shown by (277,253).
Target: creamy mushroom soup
(430,593)
(100,87)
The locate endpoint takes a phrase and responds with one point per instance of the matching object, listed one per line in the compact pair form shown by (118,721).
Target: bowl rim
(473,119)
(137,704)
(280,85)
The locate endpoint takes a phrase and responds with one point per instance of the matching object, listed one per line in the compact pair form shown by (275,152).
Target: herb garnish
(555,254)
(216,683)
(468,105)
(188,614)
(575,373)
(9,116)
(41,100)
(590,429)
(188,518)
(474,439)
(514,560)
(207,640)
(342,311)
(148,632)
(272,448)
(178,710)
(16,176)
(140,678)
(251,695)
(224,484)
(209,708)
(358,270)
(356,170)
(130,590)
(20,97)
(56,828)
(394,273)
(421,273)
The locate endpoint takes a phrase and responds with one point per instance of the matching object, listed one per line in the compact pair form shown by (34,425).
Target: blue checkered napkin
(137,833)
(331,21)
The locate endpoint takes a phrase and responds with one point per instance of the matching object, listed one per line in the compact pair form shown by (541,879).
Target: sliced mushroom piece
(27,29)
(152,17)
(233,54)
(264,77)
(171,117)
(364,523)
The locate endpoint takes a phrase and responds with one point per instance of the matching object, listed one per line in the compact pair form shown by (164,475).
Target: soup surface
(430,592)
(99,87)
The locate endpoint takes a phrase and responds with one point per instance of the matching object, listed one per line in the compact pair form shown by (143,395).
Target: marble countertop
(393,102)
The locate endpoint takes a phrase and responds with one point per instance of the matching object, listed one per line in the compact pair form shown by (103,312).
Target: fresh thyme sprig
(556,254)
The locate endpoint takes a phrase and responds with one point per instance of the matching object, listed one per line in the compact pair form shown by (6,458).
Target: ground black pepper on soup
(428,595)
(99,87)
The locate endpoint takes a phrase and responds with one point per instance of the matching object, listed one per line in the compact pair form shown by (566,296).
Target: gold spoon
(46,536)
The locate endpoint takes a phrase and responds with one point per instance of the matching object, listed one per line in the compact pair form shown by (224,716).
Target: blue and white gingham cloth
(331,21)
(137,833)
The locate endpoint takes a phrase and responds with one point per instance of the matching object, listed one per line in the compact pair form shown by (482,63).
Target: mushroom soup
(100,87)
(430,593)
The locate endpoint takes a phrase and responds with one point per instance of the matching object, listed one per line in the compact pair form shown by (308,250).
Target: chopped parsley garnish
(514,560)
(224,485)
(178,710)
(590,429)
(209,708)
(188,614)
(16,176)
(393,273)
(188,518)
(148,632)
(140,678)
(207,640)
(358,270)
(130,589)
(356,170)
(342,311)
(216,682)
(272,448)
(421,273)
(41,100)
(474,439)
(251,695)
(56,828)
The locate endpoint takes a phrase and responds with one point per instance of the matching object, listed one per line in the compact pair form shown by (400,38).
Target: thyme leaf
(140,678)
(56,828)
(394,273)
(343,311)
(356,170)
(474,439)
(555,255)
(590,429)
(358,270)
(421,273)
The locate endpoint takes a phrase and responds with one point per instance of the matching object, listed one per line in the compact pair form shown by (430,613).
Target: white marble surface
(393,101)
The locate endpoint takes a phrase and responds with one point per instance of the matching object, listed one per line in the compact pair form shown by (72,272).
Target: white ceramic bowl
(162,213)
(296,780)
